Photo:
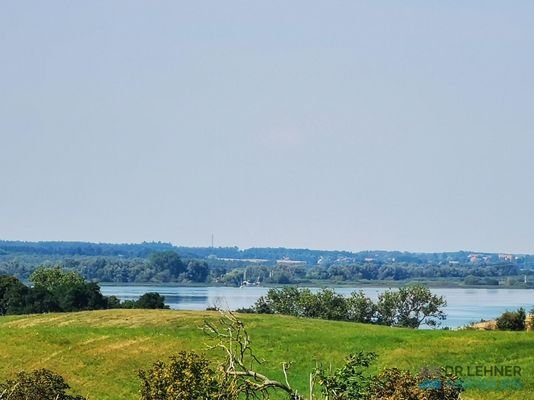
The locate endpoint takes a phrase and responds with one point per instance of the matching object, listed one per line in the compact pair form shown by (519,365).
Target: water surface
(464,305)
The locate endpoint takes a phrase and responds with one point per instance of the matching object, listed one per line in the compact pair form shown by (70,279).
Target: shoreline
(326,284)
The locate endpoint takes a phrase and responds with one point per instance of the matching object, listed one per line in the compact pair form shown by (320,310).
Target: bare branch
(234,341)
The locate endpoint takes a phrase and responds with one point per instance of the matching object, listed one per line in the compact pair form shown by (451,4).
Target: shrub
(151,300)
(186,376)
(40,384)
(348,382)
(394,384)
(512,320)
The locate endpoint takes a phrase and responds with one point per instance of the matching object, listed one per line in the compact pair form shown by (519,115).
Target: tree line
(408,306)
(168,266)
(56,290)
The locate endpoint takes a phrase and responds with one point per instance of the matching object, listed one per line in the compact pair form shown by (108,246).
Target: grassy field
(100,352)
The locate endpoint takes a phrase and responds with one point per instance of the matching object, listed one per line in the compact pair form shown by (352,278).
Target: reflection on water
(464,305)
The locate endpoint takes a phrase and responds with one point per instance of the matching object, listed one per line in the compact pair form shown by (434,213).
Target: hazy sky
(334,125)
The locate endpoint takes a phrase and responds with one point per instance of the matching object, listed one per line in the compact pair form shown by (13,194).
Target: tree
(12,292)
(54,278)
(85,296)
(410,306)
(167,261)
(197,271)
(386,308)
(40,384)
(39,300)
(113,302)
(151,300)
(283,301)
(326,304)
(360,308)
(68,289)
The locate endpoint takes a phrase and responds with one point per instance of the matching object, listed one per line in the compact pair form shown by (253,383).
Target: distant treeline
(164,263)
(165,267)
(81,248)
(307,256)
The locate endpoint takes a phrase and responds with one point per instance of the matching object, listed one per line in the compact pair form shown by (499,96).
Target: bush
(395,384)
(187,376)
(151,300)
(409,306)
(512,320)
(40,384)
(348,382)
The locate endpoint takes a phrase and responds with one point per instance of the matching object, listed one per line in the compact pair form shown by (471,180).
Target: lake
(463,305)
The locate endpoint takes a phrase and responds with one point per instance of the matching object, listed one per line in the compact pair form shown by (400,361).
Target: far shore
(325,284)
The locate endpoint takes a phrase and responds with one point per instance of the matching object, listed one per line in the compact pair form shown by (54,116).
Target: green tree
(417,305)
(11,292)
(54,278)
(326,304)
(197,271)
(360,308)
(151,300)
(410,306)
(386,308)
(168,261)
(283,301)
(38,300)
(85,296)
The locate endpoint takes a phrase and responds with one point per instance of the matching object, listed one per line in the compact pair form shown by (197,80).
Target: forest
(158,262)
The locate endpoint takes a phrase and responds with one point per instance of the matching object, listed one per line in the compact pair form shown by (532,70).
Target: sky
(348,125)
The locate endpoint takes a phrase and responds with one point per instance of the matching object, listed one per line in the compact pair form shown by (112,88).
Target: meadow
(100,352)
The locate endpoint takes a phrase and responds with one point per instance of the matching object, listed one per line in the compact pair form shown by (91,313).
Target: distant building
(287,261)
(506,257)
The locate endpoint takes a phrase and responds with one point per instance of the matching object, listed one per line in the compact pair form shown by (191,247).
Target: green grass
(100,352)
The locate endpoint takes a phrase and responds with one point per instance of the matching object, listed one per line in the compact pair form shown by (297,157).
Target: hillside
(100,352)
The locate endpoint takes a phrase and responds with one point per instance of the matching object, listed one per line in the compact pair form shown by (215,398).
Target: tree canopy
(409,306)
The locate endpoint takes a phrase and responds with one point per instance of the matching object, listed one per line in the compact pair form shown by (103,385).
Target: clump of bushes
(187,375)
(57,290)
(150,300)
(395,384)
(40,384)
(512,320)
(408,306)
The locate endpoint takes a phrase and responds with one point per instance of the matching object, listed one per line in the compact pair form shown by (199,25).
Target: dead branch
(240,361)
